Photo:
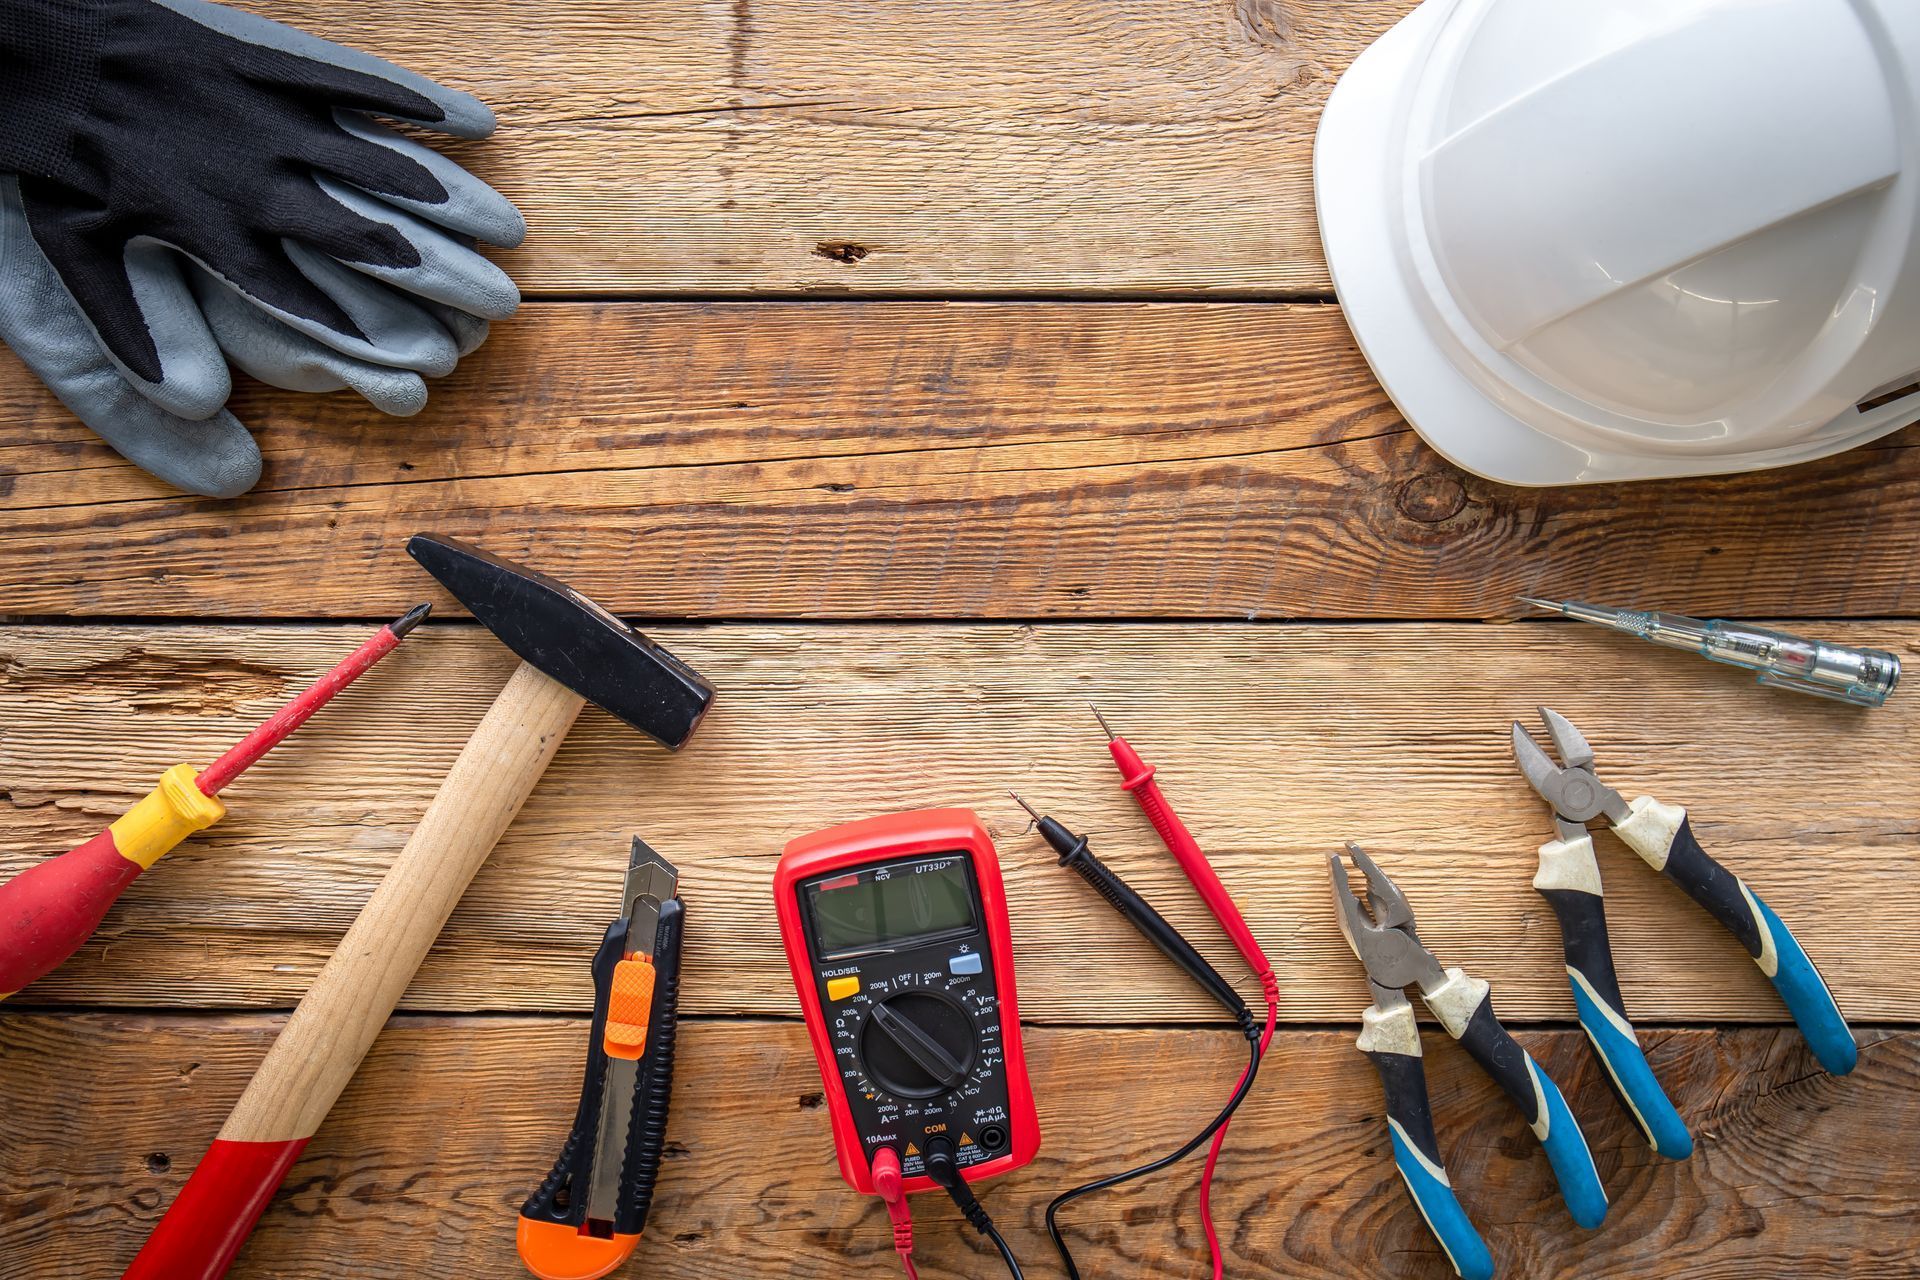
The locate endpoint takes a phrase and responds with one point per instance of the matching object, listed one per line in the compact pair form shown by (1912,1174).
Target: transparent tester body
(1863,677)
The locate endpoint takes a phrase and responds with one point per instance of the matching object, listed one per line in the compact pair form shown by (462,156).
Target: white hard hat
(1587,240)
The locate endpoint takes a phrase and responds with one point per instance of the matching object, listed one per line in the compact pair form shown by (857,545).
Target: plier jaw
(1572,788)
(1381,934)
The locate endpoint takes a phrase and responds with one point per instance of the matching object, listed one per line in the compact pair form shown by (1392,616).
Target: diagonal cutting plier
(1383,937)
(1662,835)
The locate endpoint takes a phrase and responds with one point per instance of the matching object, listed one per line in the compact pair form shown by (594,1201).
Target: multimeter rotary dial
(918,1044)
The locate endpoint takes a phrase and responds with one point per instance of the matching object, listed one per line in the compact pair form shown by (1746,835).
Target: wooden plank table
(920,371)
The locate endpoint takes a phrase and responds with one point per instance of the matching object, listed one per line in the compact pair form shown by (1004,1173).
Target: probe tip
(1023,804)
(1551,606)
(1111,735)
(409,620)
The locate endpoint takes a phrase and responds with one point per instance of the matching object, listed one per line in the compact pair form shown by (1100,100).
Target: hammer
(572,651)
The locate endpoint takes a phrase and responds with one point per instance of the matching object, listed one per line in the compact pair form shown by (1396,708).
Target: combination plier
(1383,937)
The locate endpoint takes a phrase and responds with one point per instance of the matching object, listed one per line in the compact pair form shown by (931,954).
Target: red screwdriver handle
(48,911)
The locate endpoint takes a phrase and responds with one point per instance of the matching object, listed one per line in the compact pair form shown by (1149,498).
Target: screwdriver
(1863,677)
(49,910)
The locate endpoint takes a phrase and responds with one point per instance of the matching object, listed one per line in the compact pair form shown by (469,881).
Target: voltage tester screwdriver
(1863,677)
(49,910)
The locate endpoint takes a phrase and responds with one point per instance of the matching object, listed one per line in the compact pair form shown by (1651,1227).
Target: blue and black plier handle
(1569,879)
(1391,1040)
(1662,835)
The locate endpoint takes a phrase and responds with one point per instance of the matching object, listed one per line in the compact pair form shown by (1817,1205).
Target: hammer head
(569,637)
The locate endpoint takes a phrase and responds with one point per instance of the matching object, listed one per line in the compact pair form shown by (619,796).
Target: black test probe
(1075,854)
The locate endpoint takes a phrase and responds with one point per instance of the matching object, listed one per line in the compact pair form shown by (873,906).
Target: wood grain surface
(1277,742)
(421,1169)
(925,460)
(913,359)
(1059,146)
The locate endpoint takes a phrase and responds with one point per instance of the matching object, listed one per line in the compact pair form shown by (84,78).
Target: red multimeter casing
(912,1011)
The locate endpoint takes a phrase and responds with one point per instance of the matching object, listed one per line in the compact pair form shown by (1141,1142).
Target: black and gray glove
(203,181)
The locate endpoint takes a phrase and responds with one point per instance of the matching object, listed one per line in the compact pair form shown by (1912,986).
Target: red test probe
(49,910)
(1136,777)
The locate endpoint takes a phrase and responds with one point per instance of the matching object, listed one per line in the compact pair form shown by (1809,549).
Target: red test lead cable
(891,1186)
(1136,777)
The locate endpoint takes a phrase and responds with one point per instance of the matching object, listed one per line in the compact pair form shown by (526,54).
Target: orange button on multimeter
(896,932)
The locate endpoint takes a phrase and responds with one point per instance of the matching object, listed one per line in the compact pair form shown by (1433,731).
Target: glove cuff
(49,72)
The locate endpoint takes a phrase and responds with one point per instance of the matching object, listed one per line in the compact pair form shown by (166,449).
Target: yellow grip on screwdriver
(628,1009)
(165,816)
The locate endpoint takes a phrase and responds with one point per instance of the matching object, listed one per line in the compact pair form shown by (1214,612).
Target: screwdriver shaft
(270,734)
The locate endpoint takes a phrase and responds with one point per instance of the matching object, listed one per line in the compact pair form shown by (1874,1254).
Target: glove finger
(262,346)
(193,381)
(465,205)
(41,323)
(394,330)
(213,456)
(468,331)
(418,100)
(353,152)
(448,271)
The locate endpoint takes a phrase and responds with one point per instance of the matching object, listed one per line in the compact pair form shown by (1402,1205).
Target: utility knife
(587,1217)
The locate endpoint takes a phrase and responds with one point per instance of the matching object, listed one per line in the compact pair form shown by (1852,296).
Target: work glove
(204,184)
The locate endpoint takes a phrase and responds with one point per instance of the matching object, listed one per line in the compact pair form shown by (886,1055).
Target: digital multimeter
(896,930)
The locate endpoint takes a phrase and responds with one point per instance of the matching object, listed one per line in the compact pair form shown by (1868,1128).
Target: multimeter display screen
(885,905)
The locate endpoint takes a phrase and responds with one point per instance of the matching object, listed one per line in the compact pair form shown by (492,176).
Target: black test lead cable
(945,1173)
(1075,854)
(1140,1171)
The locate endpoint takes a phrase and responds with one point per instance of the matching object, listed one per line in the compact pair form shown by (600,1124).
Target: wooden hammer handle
(321,1046)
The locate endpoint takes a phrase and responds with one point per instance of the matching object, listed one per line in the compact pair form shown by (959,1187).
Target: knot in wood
(841,251)
(1432,497)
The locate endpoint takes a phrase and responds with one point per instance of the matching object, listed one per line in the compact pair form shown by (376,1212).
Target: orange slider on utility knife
(49,910)
(586,1218)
